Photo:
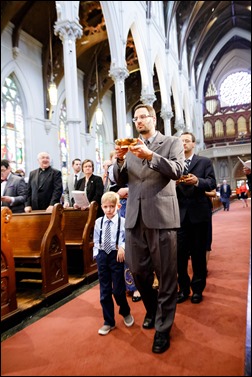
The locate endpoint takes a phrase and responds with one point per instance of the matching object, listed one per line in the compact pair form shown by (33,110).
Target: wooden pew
(78,234)
(39,248)
(8,278)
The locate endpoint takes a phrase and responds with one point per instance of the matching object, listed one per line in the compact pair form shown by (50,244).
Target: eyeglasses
(141,117)
(87,166)
(187,141)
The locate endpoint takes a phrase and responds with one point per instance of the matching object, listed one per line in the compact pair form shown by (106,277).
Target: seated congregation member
(13,189)
(92,185)
(44,185)
(109,245)
(72,182)
(195,216)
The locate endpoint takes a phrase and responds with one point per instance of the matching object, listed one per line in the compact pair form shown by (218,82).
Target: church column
(68,32)
(147,98)
(180,127)
(119,75)
(166,115)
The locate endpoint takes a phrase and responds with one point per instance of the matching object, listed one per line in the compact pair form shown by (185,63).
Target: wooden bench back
(8,277)
(37,238)
(26,233)
(74,223)
(78,233)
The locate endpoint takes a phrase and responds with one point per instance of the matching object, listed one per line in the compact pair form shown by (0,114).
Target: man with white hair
(225,193)
(44,185)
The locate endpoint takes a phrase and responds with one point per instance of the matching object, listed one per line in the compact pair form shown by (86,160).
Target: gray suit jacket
(70,187)
(16,188)
(152,185)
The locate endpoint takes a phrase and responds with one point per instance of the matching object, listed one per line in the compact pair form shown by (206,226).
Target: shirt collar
(151,138)
(190,158)
(114,218)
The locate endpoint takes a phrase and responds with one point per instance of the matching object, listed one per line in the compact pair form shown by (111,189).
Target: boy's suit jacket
(15,187)
(192,199)
(42,194)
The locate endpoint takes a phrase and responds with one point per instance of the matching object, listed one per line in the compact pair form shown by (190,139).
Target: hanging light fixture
(52,89)
(98,111)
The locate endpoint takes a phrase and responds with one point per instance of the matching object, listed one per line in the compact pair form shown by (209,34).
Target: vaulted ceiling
(200,26)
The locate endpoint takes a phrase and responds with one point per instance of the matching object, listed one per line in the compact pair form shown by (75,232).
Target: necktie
(75,180)
(186,167)
(107,238)
(146,142)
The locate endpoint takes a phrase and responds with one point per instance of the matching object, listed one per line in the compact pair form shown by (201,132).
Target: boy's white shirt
(114,226)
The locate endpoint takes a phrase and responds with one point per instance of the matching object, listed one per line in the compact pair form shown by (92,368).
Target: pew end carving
(78,233)
(8,279)
(39,248)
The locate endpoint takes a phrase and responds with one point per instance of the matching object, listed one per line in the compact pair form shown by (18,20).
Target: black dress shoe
(196,298)
(136,298)
(148,323)
(182,296)
(161,342)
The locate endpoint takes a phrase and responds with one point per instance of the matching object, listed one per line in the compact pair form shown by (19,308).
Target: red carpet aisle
(207,339)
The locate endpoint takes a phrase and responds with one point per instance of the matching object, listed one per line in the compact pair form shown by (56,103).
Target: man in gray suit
(71,182)
(13,189)
(152,219)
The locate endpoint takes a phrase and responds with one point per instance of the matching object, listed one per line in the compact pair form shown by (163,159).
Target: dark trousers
(148,250)
(192,241)
(111,279)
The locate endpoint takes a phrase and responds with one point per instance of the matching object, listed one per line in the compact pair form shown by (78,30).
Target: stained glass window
(236,89)
(12,125)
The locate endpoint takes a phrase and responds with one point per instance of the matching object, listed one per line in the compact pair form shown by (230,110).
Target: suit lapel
(193,162)
(156,142)
(8,183)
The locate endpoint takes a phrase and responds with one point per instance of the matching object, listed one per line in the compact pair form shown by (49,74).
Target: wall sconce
(52,88)
(98,111)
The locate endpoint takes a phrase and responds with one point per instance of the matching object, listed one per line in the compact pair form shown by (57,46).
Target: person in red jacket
(244,194)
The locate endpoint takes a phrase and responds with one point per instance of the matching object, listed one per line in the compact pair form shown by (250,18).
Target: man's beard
(143,132)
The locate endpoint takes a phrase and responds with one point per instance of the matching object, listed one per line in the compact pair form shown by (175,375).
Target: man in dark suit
(13,189)
(44,185)
(194,219)
(225,193)
(152,219)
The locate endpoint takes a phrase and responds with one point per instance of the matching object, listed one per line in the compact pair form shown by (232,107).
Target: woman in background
(91,184)
(244,194)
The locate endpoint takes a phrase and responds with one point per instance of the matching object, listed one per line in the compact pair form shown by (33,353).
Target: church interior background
(190,60)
